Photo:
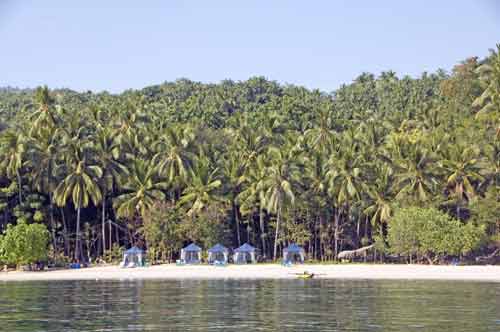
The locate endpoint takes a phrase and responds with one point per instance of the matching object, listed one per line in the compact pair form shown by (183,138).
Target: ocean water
(250,305)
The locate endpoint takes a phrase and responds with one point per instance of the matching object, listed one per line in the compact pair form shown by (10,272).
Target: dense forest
(409,167)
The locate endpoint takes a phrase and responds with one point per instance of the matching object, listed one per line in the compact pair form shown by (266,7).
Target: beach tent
(133,257)
(218,253)
(293,254)
(244,254)
(191,254)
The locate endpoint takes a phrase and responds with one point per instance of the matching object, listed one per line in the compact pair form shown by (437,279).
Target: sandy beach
(267,271)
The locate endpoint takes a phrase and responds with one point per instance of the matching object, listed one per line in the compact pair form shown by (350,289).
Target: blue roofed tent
(244,254)
(133,257)
(218,253)
(191,254)
(293,254)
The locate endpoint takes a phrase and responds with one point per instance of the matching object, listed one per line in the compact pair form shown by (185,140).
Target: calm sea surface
(297,305)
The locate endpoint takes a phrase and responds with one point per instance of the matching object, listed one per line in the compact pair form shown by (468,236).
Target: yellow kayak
(305,275)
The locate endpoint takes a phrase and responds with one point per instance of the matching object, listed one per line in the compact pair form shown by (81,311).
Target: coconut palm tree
(279,180)
(44,115)
(173,155)
(140,191)
(252,195)
(462,168)
(107,156)
(379,193)
(202,186)
(416,176)
(12,156)
(234,170)
(42,162)
(80,185)
(346,181)
(489,76)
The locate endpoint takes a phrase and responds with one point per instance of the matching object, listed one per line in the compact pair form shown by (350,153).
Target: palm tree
(279,180)
(202,186)
(107,155)
(416,175)
(141,190)
(80,184)
(234,176)
(44,116)
(173,155)
(315,181)
(321,137)
(346,176)
(489,76)
(43,163)
(253,194)
(380,196)
(462,167)
(12,151)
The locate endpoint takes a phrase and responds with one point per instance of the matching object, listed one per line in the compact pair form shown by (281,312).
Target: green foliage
(205,228)
(486,213)
(161,231)
(257,161)
(24,244)
(115,254)
(430,233)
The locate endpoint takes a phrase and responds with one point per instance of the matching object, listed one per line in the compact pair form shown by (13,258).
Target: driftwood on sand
(350,254)
(491,258)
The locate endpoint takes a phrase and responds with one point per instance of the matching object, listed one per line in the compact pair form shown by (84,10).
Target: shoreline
(480,273)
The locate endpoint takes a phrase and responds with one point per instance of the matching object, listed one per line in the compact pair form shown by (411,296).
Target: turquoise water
(296,305)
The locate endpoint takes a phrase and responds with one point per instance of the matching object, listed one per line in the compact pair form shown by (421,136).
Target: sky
(115,45)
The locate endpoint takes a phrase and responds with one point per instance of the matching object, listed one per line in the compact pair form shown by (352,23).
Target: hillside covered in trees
(410,165)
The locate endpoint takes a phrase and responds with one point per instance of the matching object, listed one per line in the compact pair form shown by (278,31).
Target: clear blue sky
(117,44)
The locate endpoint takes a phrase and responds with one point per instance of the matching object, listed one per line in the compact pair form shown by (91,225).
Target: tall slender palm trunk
(262,231)
(237,222)
(20,186)
(65,232)
(103,221)
(336,233)
(77,242)
(52,224)
(275,254)
(110,234)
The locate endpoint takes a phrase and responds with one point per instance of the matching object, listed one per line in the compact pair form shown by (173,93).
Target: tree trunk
(65,231)
(336,233)
(110,234)
(320,240)
(20,185)
(237,222)
(117,235)
(358,225)
(77,242)
(52,224)
(277,232)
(103,223)
(366,228)
(248,232)
(262,230)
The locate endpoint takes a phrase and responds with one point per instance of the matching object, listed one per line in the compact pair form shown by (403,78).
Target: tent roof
(218,248)
(134,250)
(192,247)
(245,248)
(293,247)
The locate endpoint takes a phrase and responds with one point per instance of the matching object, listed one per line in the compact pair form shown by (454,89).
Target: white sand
(267,271)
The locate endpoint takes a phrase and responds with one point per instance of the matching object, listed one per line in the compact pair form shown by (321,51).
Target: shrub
(430,233)
(24,244)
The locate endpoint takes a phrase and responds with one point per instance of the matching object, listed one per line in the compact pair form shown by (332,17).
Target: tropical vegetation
(411,164)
